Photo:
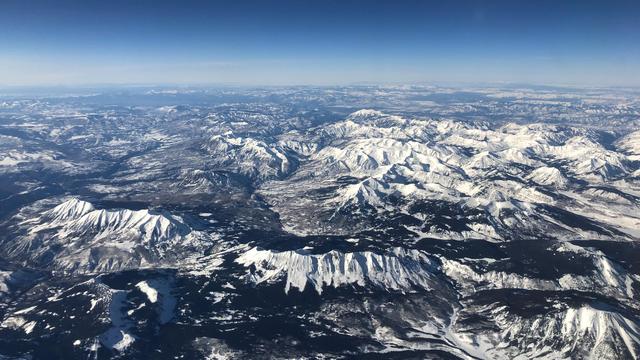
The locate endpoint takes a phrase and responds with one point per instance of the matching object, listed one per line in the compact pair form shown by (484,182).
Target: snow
(152,294)
(85,239)
(70,209)
(607,278)
(25,310)
(76,216)
(366,113)
(117,337)
(228,285)
(630,144)
(505,172)
(249,157)
(28,327)
(399,270)
(94,302)
(159,290)
(9,162)
(5,279)
(548,176)
(203,265)
(218,296)
(11,159)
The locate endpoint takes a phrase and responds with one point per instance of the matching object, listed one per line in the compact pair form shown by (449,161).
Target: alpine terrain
(387,222)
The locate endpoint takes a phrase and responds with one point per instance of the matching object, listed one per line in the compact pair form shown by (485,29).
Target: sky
(319,42)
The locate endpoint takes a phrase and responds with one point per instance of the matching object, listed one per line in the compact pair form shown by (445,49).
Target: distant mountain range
(302,223)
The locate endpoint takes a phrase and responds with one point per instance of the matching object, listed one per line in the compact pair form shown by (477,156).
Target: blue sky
(319,42)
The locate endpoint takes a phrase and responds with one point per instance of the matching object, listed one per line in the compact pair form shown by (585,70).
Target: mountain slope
(76,237)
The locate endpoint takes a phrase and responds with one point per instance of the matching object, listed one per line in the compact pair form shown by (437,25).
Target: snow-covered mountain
(520,177)
(250,157)
(579,331)
(400,270)
(630,144)
(74,236)
(331,222)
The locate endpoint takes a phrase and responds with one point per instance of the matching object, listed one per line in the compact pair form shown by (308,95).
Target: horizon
(288,43)
(248,85)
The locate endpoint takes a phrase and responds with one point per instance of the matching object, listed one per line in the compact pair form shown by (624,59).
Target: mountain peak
(71,209)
